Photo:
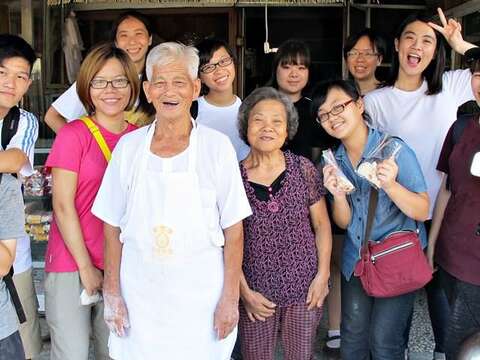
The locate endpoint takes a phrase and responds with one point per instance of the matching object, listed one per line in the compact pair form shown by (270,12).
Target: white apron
(171,271)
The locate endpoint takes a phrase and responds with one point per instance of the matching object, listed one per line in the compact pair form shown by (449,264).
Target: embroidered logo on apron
(162,246)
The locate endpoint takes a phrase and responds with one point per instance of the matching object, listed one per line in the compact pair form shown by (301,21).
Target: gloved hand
(115,313)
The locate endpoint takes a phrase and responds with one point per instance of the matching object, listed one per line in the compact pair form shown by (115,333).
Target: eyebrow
(410,32)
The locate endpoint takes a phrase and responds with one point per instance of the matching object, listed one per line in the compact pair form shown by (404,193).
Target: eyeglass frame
(111,83)
(333,111)
(356,54)
(217,64)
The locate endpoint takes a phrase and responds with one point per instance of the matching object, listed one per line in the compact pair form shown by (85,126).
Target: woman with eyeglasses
(218,106)
(131,32)
(107,85)
(363,52)
(372,328)
(419,103)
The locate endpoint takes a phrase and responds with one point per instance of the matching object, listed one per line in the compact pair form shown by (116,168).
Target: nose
(9,81)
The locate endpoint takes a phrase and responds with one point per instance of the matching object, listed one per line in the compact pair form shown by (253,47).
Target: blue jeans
(373,328)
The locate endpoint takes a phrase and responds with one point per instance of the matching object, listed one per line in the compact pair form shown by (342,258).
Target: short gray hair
(169,52)
(266,93)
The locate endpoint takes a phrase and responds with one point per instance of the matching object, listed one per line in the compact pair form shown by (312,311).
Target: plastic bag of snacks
(342,180)
(386,149)
(39,183)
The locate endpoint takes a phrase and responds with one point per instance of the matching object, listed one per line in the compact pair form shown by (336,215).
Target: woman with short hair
(288,240)
(107,85)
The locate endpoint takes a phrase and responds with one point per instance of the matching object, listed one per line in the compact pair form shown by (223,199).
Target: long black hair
(290,52)
(434,71)
(143,105)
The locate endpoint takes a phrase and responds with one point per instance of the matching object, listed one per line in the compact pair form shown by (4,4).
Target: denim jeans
(11,347)
(373,328)
(464,299)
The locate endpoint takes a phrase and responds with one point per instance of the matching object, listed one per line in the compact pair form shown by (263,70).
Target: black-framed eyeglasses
(367,53)
(336,110)
(116,83)
(208,68)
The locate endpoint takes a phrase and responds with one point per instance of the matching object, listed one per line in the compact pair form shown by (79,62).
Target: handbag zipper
(373,258)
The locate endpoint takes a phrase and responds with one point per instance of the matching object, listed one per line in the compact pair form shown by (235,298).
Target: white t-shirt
(217,169)
(69,105)
(223,119)
(24,139)
(421,120)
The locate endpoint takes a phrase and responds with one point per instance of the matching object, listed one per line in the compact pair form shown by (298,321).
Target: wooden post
(27,20)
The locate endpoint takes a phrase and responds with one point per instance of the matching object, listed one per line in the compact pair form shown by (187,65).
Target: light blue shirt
(388,217)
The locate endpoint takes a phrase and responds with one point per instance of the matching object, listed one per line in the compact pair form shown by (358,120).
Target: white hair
(169,52)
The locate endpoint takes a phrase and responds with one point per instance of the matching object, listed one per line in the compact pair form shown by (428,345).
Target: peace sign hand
(452,32)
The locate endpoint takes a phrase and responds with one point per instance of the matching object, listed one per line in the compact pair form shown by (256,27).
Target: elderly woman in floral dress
(287,239)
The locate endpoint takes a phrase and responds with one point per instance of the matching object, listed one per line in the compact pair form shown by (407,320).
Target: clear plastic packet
(387,148)
(39,183)
(342,180)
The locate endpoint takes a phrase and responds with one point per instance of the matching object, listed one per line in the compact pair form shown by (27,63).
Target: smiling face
(416,49)
(221,79)
(132,37)
(14,82)
(171,90)
(343,125)
(267,126)
(110,101)
(292,79)
(363,60)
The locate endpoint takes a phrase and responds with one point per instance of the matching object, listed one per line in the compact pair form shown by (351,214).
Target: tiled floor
(420,345)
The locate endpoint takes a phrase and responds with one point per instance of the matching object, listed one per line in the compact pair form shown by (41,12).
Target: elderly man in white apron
(173,202)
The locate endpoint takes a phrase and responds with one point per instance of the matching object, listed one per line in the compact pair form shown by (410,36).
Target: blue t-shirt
(388,217)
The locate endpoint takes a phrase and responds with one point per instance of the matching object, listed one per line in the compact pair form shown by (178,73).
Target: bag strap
(10,126)
(8,279)
(372,207)
(98,137)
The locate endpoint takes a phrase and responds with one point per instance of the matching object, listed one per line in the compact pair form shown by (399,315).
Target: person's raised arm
(341,211)
(54,120)
(452,32)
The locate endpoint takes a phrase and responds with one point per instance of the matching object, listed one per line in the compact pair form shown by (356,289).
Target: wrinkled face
(171,90)
(221,79)
(292,79)
(111,100)
(267,126)
(344,124)
(416,48)
(132,37)
(476,86)
(362,60)
(14,81)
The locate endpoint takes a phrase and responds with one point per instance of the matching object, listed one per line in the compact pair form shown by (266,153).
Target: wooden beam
(27,20)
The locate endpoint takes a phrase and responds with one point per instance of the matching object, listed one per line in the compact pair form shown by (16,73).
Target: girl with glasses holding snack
(370,326)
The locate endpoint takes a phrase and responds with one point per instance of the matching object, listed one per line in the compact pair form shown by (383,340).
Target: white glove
(115,313)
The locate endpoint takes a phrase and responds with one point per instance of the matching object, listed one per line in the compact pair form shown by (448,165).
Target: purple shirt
(458,246)
(280,254)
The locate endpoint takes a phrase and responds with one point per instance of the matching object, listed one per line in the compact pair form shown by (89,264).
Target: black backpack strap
(14,296)
(459,126)
(10,126)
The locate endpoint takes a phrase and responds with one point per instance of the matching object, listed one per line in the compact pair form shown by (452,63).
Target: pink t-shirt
(75,149)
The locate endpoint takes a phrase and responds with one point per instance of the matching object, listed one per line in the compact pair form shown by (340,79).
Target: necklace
(272,205)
